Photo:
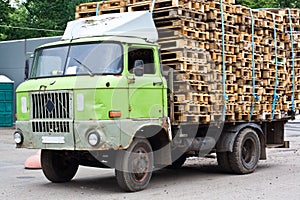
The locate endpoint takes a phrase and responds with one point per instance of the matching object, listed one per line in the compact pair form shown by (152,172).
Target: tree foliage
(270,3)
(4,18)
(36,14)
(54,15)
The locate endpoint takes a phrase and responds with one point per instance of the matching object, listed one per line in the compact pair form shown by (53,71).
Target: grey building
(13,55)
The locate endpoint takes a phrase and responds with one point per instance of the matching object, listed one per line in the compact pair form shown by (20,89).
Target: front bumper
(114,134)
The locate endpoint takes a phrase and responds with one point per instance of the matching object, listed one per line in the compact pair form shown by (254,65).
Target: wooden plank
(197,55)
(112,10)
(178,43)
(146,5)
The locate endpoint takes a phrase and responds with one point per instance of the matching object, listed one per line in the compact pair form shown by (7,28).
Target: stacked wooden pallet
(240,61)
(183,28)
(292,47)
(99,8)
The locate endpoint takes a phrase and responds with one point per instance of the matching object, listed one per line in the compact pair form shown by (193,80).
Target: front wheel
(134,166)
(246,152)
(58,166)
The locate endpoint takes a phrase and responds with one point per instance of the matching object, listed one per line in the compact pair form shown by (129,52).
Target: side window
(146,55)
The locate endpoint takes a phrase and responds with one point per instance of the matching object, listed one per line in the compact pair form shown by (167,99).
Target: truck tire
(134,166)
(246,152)
(223,162)
(58,166)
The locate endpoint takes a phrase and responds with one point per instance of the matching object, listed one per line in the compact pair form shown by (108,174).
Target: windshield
(79,59)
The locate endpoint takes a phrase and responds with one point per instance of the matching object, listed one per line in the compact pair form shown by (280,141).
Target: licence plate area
(55,134)
(53,139)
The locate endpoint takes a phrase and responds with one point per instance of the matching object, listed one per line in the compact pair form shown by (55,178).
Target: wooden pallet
(87,7)
(146,5)
(183,24)
(190,118)
(112,10)
(84,14)
(194,55)
(178,43)
(104,7)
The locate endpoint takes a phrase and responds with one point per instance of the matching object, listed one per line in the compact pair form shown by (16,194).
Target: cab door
(145,83)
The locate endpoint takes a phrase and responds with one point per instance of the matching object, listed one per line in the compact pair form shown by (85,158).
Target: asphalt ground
(278,177)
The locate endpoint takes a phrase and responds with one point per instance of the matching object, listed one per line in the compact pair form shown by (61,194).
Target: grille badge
(49,106)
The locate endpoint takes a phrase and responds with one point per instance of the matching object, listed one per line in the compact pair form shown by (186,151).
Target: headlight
(18,137)
(94,138)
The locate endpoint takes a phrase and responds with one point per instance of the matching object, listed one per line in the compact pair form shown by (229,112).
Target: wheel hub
(140,165)
(247,151)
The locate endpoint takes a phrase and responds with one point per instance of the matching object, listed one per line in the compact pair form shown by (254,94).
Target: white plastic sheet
(131,24)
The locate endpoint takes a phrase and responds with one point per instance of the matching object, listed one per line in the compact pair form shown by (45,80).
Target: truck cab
(81,92)
(88,97)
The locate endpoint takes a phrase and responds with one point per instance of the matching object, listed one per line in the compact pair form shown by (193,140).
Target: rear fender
(228,136)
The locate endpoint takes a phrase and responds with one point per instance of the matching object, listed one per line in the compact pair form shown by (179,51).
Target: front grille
(51,126)
(52,105)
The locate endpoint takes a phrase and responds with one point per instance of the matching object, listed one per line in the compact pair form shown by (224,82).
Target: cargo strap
(255,96)
(276,96)
(98,6)
(293,61)
(152,6)
(223,64)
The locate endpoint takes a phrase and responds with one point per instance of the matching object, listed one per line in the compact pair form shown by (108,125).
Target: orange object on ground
(34,161)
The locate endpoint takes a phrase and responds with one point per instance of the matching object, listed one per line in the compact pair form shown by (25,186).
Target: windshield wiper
(85,67)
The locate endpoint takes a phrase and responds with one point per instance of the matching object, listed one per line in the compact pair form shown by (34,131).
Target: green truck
(105,101)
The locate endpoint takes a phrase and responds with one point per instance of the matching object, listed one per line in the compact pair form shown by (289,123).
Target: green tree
(270,3)
(288,3)
(6,9)
(52,15)
(29,18)
(18,23)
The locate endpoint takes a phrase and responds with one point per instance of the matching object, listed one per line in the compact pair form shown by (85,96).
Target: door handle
(157,83)
(131,80)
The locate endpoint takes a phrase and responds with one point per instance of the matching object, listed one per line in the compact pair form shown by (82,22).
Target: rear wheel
(134,166)
(246,152)
(58,166)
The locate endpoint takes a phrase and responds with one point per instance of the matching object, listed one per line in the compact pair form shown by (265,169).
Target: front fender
(136,127)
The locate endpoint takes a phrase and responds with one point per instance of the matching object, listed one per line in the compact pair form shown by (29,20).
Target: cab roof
(122,39)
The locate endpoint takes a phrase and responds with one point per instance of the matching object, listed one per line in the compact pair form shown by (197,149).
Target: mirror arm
(26,69)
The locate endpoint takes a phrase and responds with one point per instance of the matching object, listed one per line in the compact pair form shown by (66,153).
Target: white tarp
(132,24)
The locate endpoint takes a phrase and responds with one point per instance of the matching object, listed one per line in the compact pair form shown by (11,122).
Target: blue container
(6,101)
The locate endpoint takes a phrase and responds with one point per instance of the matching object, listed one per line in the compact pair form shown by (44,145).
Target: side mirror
(138,68)
(26,69)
